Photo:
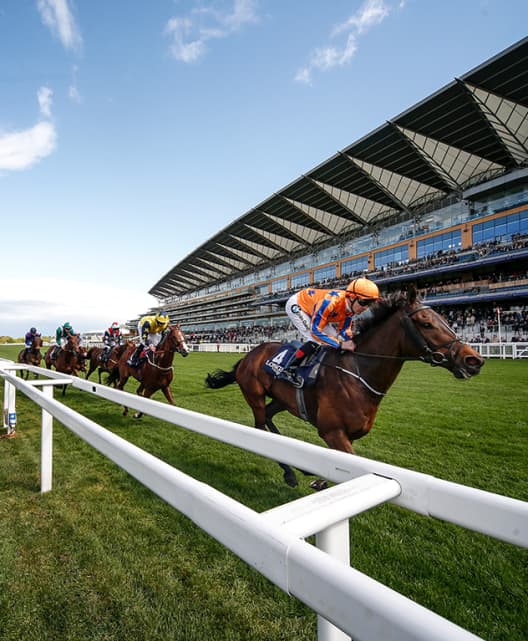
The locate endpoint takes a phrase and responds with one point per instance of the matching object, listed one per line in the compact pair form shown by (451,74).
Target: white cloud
(371,13)
(44,96)
(22,149)
(56,15)
(190,34)
(47,302)
(73,92)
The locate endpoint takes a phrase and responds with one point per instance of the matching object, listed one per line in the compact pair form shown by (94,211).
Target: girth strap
(301,405)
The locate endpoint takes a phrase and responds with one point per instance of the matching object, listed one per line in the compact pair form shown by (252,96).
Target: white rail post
(335,541)
(46,445)
(10,417)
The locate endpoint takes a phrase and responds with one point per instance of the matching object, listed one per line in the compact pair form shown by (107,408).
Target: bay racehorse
(95,362)
(156,371)
(31,356)
(70,359)
(343,402)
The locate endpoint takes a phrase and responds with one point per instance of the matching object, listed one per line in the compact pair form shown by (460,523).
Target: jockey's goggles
(365,302)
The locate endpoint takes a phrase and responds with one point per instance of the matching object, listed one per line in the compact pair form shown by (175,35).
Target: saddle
(304,375)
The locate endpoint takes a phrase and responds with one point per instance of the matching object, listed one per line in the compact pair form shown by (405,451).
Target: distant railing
(501,350)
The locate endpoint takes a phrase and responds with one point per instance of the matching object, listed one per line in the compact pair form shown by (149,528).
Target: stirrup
(292,378)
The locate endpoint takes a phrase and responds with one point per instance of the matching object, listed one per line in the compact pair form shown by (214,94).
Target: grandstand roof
(470,130)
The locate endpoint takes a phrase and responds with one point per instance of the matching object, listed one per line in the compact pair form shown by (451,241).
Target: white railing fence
(501,350)
(347,601)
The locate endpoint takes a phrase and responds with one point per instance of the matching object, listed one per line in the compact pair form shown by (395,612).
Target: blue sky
(132,131)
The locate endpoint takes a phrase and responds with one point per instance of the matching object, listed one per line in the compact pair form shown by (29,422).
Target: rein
(361,380)
(432,355)
(163,369)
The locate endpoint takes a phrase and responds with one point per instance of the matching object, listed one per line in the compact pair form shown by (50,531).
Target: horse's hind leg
(141,392)
(271,409)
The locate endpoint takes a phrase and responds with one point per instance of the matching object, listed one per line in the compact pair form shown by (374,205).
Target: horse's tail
(220,378)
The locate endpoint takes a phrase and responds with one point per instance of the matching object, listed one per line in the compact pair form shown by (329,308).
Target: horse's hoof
(137,415)
(291,480)
(319,484)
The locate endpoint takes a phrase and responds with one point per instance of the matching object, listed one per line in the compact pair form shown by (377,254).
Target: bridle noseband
(431,353)
(178,337)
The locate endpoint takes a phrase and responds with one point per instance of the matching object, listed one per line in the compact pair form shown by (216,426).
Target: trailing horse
(94,358)
(31,355)
(69,360)
(343,402)
(156,371)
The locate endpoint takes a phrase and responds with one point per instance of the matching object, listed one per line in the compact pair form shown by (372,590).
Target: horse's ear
(412,295)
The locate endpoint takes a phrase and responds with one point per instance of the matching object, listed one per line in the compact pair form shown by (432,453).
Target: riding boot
(133,360)
(303,352)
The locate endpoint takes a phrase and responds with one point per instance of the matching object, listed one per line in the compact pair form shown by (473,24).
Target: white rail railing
(347,601)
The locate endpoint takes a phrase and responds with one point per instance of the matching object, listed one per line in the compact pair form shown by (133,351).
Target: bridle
(178,337)
(431,353)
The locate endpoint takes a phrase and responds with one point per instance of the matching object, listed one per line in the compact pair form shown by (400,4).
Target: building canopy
(469,131)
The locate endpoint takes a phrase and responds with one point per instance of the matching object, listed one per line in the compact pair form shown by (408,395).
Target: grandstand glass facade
(354,265)
(325,273)
(300,280)
(450,241)
(501,229)
(279,285)
(396,255)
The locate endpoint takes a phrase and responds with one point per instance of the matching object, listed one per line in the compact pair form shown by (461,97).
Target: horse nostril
(474,362)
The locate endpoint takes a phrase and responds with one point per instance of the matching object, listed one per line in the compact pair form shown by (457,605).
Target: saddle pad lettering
(280,360)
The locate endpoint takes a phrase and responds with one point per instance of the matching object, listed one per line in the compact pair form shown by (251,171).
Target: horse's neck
(383,357)
(164,357)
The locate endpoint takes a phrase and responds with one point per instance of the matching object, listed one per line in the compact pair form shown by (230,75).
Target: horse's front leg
(168,394)
(337,440)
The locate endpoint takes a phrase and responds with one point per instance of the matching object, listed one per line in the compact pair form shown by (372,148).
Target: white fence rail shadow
(347,601)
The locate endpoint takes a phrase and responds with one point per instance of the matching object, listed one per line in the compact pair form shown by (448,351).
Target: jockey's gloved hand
(349,345)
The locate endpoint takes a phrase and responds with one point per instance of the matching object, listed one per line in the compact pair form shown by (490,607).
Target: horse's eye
(427,325)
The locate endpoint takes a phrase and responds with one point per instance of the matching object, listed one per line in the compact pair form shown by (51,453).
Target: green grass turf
(102,558)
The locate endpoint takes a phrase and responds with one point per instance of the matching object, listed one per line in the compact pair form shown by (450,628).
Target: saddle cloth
(305,374)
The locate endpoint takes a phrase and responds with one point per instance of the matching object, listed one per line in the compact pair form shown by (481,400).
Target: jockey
(29,338)
(111,338)
(149,332)
(62,333)
(325,317)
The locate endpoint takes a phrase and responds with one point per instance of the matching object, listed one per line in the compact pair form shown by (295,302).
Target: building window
(325,273)
(450,241)
(354,265)
(501,229)
(279,285)
(394,256)
(300,280)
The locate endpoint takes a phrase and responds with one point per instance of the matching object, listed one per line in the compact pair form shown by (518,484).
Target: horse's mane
(380,311)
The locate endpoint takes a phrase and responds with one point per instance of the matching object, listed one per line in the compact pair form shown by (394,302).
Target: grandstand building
(437,196)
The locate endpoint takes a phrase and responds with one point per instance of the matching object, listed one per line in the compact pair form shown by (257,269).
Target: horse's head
(423,334)
(174,341)
(435,342)
(72,344)
(37,342)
